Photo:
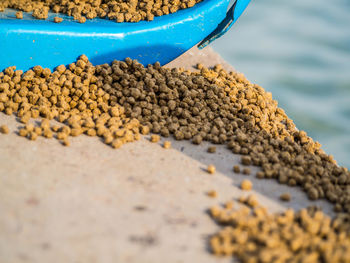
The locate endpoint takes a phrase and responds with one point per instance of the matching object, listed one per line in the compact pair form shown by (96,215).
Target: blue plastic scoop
(29,42)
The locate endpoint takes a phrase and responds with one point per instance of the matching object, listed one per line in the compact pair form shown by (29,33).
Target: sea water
(300,51)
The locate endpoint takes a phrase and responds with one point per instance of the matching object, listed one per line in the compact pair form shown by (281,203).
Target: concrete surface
(141,203)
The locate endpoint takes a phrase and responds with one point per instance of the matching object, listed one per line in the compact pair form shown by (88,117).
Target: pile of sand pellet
(71,97)
(119,100)
(225,108)
(253,235)
(118,10)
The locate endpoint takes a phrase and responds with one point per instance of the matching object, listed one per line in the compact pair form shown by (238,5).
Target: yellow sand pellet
(167,145)
(66,142)
(252,201)
(38,131)
(252,234)
(155,138)
(117,143)
(25,118)
(212,193)
(285,197)
(57,19)
(23,132)
(4,129)
(48,133)
(211,169)
(61,136)
(229,204)
(91,132)
(19,15)
(29,127)
(45,124)
(32,136)
(246,185)
(145,130)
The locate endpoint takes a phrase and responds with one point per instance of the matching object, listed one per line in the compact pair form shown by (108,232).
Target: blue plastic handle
(231,17)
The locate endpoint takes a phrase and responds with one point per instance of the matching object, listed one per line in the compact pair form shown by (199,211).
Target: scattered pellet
(155,138)
(211,149)
(57,19)
(246,185)
(23,132)
(236,169)
(212,194)
(252,201)
(229,204)
(66,142)
(252,234)
(197,139)
(48,133)
(19,15)
(285,197)
(211,169)
(145,130)
(32,135)
(167,145)
(4,129)
(116,144)
(81,19)
(55,128)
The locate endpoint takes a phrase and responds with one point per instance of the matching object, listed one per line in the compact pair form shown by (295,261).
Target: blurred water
(300,51)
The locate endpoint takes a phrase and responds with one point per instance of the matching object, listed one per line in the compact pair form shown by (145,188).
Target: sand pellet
(236,169)
(246,185)
(229,204)
(246,160)
(211,149)
(23,132)
(4,129)
(32,135)
(167,145)
(212,194)
(119,11)
(57,19)
(48,134)
(285,197)
(66,142)
(155,138)
(211,169)
(19,15)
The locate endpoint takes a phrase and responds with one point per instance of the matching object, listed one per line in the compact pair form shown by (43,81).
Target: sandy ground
(141,203)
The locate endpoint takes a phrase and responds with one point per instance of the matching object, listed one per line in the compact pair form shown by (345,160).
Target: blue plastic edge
(231,17)
(31,42)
